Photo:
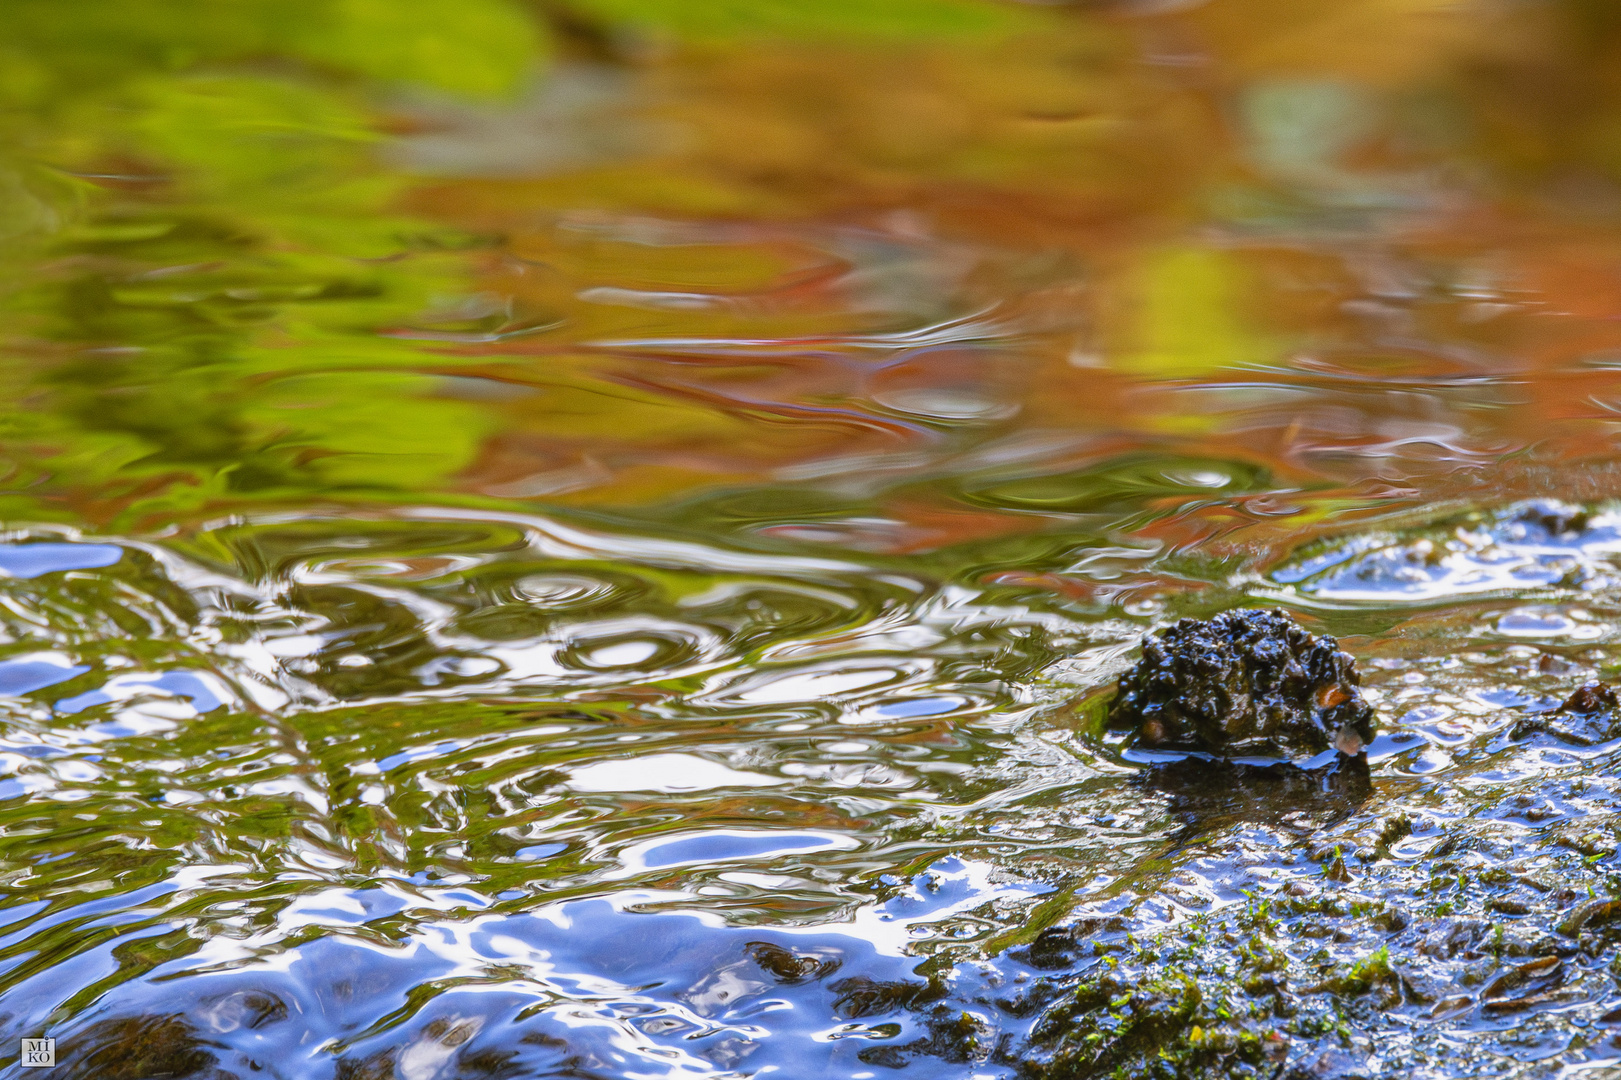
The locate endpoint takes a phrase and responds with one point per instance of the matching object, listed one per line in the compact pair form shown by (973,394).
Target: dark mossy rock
(954,1036)
(1244,682)
(1591,715)
(1109,1025)
(148,1047)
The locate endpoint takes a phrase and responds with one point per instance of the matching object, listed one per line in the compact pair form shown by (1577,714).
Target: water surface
(591,539)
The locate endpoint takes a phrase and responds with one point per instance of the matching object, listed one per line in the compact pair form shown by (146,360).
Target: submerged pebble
(1244,682)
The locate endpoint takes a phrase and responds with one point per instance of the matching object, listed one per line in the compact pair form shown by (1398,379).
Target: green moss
(1370,973)
(1162,1026)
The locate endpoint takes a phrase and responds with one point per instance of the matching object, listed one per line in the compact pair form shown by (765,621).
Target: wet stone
(1591,715)
(1546,521)
(789,968)
(861,996)
(1244,682)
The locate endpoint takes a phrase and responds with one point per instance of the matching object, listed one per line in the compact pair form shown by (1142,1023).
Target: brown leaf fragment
(1538,977)
(1448,1007)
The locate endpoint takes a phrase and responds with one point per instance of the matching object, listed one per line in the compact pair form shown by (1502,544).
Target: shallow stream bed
(447,794)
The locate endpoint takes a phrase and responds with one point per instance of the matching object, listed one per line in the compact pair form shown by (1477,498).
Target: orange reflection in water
(1232,270)
(1228,232)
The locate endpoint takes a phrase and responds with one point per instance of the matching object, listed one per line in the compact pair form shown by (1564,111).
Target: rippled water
(499,794)
(594,539)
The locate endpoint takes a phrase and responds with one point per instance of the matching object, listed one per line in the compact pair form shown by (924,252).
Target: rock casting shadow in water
(1248,682)
(1207,796)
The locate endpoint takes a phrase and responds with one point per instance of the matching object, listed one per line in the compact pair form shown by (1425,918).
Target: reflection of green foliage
(268,134)
(797,18)
(370,428)
(214,293)
(198,409)
(196,318)
(1188,315)
(1123,484)
(286,159)
(466,47)
(481,48)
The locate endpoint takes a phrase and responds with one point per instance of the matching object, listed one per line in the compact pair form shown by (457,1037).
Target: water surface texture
(592,538)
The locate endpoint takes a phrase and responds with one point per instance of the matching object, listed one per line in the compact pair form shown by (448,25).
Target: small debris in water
(1244,682)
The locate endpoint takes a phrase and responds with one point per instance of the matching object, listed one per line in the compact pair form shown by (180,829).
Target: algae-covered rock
(1244,682)
(143,1047)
